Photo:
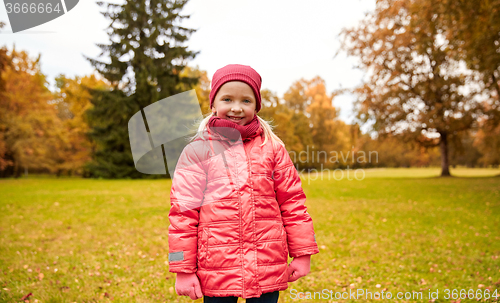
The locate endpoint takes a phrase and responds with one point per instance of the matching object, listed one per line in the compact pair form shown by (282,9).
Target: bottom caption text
(365,294)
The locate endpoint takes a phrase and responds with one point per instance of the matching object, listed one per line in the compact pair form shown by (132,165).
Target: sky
(283,41)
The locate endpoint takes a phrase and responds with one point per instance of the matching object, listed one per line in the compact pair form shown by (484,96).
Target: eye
(247,101)
(226,99)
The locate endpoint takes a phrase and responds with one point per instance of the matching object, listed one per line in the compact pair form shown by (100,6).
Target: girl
(237,205)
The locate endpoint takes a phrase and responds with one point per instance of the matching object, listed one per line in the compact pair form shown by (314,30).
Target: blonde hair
(267,127)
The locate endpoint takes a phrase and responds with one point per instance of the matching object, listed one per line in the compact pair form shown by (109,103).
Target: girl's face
(235,101)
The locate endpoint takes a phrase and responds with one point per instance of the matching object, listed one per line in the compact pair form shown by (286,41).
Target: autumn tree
(282,119)
(4,63)
(146,55)
(202,88)
(487,141)
(31,134)
(413,87)
(73,100)
(315,123)
(296,101)
(473,29)
(327,132)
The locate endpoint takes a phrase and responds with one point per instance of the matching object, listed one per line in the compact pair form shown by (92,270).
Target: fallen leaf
(26,296)
(64,288)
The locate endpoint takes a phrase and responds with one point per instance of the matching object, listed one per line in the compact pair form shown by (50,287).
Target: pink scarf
(250,130)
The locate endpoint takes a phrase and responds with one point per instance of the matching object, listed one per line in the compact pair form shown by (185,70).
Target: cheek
(221,112)
(251,114)
(219,108)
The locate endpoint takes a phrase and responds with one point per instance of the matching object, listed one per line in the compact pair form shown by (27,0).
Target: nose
(236,109)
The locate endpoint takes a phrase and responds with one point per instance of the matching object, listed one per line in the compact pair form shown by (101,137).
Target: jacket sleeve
(186,196)
(291,199)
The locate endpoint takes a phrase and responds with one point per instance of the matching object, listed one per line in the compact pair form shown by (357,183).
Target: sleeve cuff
(312,250)
(183,269)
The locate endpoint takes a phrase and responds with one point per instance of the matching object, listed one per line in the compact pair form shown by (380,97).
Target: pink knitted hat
(237,72)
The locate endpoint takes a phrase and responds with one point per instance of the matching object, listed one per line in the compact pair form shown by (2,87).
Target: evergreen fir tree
(146,57)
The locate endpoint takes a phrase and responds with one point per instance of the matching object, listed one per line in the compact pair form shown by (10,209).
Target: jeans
(268,297)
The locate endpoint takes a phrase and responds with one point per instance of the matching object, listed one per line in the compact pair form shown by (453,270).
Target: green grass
(399,229)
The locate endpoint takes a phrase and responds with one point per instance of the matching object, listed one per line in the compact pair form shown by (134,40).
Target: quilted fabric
(237,213)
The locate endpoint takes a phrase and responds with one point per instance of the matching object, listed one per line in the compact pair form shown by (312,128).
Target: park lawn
(399,230)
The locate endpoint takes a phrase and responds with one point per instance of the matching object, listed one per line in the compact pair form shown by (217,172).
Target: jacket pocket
(202,247)
(284,241)
(222,248)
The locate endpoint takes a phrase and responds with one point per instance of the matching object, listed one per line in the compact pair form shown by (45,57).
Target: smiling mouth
(236,119)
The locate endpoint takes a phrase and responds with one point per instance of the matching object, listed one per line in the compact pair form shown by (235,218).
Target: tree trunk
(495,82)
(16,169)
(443,144)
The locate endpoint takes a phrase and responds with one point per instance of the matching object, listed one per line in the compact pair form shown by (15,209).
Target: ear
(213,110)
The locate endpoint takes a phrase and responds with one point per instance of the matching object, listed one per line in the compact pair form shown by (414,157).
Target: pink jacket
(236,216)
